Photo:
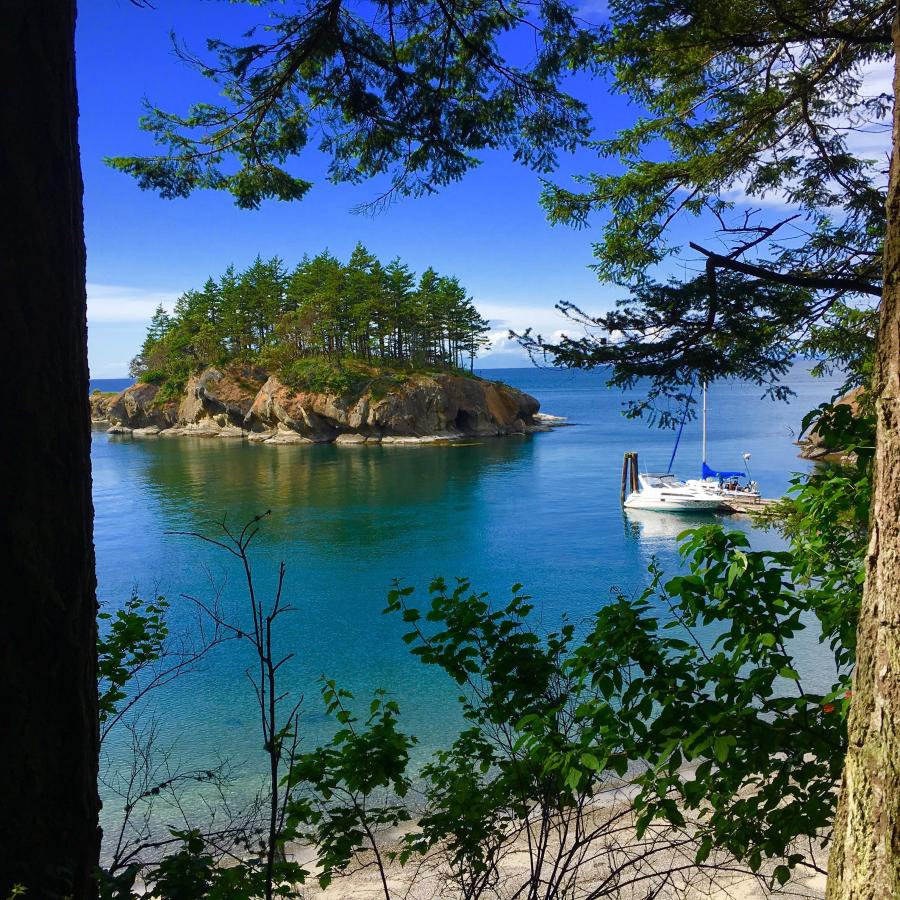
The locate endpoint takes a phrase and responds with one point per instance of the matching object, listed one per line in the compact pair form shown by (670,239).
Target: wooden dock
(746,505)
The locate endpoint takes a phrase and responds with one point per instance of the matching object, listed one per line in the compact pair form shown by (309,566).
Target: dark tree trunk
(49,835)
(865,854)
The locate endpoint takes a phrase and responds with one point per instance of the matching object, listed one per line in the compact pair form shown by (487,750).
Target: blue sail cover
(712,473)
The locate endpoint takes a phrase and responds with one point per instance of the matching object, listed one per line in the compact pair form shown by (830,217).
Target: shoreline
(254,406)
(287,437)
(664,853)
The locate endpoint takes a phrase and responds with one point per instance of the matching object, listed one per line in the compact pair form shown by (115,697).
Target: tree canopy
(276,318)
(751,118)
(748,121)
(407,90)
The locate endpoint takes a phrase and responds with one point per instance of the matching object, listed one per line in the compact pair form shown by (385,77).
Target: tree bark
(865,854)
(49,837)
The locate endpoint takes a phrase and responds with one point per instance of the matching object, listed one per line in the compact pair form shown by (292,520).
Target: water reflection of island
(321,494)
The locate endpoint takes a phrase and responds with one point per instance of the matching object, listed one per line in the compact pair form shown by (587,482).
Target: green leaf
(722,747)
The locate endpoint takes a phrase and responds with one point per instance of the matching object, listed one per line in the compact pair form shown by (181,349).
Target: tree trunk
(865,854)
(49,837)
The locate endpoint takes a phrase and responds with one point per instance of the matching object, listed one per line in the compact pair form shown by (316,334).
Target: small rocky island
(353,353)
(248,403)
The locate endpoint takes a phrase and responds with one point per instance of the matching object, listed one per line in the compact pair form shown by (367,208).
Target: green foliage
(131,639)
(345,793)
(845,344)
(326,326)
(531,752)
(346,378)
(187,873)
(729,729)
(826,519)
(151,376)
(711,700)
(171,390)
(406,90)
(737,105)
(670,343)
(385,382)
(192,873)
(324,376)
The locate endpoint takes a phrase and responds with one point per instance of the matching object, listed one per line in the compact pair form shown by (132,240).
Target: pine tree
(358,310)
(399,286)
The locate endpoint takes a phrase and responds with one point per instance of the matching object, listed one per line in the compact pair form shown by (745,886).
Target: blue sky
(489,229)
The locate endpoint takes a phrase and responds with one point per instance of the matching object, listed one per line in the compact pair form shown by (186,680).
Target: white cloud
(866,140)
(505,317)
(117,303)
(516,317)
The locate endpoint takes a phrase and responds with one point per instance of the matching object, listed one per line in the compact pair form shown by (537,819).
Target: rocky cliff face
(136,409)
(100,405)
(814,446)
(247,403)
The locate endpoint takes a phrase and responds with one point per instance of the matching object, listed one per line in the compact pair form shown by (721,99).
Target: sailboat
(663,492)
(722,483)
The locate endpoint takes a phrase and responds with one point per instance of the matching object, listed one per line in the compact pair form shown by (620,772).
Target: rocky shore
(249,403)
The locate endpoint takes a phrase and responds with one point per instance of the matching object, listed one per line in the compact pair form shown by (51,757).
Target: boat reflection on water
(646,523)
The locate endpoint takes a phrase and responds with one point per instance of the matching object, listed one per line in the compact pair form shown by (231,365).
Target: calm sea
(543,510)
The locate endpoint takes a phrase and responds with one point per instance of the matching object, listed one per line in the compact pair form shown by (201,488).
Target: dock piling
(629,474)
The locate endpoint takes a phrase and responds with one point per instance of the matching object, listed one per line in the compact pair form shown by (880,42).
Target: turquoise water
(543,510)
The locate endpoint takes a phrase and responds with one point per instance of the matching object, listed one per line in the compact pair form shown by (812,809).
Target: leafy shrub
(323,376)
(170,391)
(384,384)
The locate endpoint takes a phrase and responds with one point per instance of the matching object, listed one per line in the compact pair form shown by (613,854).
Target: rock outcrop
(138,407)
(247,403)
(813,444)
(216,403)
(100,402)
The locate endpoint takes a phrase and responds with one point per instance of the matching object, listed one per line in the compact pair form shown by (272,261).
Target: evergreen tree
(234,323)
(360,310)
(362,288)
(399,286)
(159,326)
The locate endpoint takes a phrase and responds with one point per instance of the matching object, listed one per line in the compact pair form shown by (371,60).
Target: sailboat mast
(704,422)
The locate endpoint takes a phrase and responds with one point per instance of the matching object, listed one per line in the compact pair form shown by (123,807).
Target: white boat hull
(672,504)
(665,493)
